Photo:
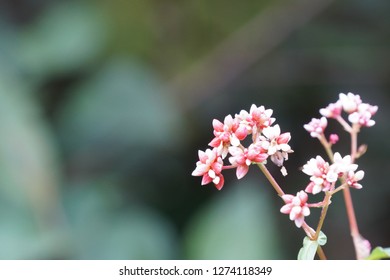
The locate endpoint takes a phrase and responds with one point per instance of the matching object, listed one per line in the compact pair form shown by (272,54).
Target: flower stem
(350,212)
(271,179)
(308,230)
(320,253)
(346,126)
(327,146)
(327,198)
(347,193)
(354,132)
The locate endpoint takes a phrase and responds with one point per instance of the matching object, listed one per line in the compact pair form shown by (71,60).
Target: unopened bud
(361,150)
(333,139)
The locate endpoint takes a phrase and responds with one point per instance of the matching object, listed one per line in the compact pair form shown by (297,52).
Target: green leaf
(379,253)
(322,239)
(308,251)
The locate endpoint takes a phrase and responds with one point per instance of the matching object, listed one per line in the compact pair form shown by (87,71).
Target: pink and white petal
(359,175)
(305,211)
(234,140)
(215,142)
(235,151)
(316,189)
(217,125)
(309,187)
(299,221)
(241,132)
(200,170)
(302,196)
(206,179)
(217,167)
(241,171)
(202,156)
(287,198)
(221,182)
(286,209)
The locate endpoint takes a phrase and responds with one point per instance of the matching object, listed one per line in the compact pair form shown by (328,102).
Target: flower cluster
(324,175)
(253,138)
(296,207)
(266,141)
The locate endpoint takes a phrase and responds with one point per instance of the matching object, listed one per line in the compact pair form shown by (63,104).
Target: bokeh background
(104,105)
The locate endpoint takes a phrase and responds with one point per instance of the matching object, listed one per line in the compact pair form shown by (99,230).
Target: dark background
(104,105)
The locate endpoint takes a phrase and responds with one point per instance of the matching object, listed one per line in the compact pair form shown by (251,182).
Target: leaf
(379,253)
(309,249)
(237,224)
(322,239)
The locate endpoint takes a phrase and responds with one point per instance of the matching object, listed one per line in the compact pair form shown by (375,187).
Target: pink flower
(210,167)
(228,133)
(350,101)
(332,111)
(363,115)
(275,141)
(316,127)
(342,164)
(296,207)
(257,119)
(322,176)
(276,145)
(353,178)
(242,158)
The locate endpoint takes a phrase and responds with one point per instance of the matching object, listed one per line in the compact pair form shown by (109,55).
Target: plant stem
(346,126)
(320,253)
(271,179)
(347,193)
(308,230)
(350,212)
(327,198)
(327,146)
(354,132)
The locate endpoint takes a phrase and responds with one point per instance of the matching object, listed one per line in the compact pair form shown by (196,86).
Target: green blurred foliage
(98,138)
(235,225)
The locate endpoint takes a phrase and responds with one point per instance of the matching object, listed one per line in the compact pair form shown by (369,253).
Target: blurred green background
(104,104)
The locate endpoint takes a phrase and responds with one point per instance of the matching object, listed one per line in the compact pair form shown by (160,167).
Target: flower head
(242,158)
(322,176)
(257,119)
(333,110)
(276,145)
(343,164)
(350,101)
(353,179)
(296,207)
(228,133)
(316,127)
(210,166)
(363,114)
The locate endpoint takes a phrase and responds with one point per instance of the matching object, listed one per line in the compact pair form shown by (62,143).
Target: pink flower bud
(333,139)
